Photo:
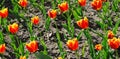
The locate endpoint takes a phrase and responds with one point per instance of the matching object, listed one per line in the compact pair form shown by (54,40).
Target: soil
(50,36)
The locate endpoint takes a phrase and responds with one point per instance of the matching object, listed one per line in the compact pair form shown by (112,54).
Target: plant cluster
(75,18)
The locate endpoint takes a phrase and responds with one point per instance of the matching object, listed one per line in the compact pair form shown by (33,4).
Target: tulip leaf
(75,15)
(62,53)
(1,38)
(2,2)
(89,40)
(102,25)
(79,35)
(44,45)
(83,49)
(116,27)
(65,36)
(21,48)
(47,23)
(115,5)
(41,55)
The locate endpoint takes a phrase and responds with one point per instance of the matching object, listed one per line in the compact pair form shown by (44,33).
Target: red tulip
(82,2)
(13,28)
(4,13)
(114,43)
(35,20)
(83,23)
(72,44)
(2,48)
(52,13)
(63,6)
(32,46)
(23,3)
(96,4)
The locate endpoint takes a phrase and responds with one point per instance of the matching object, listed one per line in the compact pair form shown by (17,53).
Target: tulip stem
(2,56)
(116,54)
(77,54)
(0,21)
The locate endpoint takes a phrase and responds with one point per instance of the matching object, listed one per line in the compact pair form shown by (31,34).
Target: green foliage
(47,23)
(115,5)
(41,55)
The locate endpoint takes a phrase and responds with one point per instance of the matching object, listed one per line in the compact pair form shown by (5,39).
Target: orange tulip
(52,13)
(32,46)
(83,23)
(63,6)
(96,4)
(35,20)
(72,44)
(22,57)
(2,48)
(82,2)
(4,13)
(110,34)
(13,28)
(98,47)
(23,3)
(114,43)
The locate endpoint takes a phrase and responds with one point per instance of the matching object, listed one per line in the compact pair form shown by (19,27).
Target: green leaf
(47,23)
(41,55)
(106,7)
(62,53)
(21,48)
(78,37)
(90,42)
(116,27)
(2,2)
(29,24)
(44,45)
(65,26)
(66,37)
(115,5)
(1,38)
(75,15)
(100,24)
(59,42)
(83,49)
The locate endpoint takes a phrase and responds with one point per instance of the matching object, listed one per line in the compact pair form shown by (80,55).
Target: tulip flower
(72,44)
(82,2)
(22,57)
(35,20)
(4,13)
(60,58)
(98,47)
(63,6)
(13,28)
(23,3)
(83,23)
(96,4)
(52,13)
(32,46)
(114,43)
(2,48)
(110,34)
